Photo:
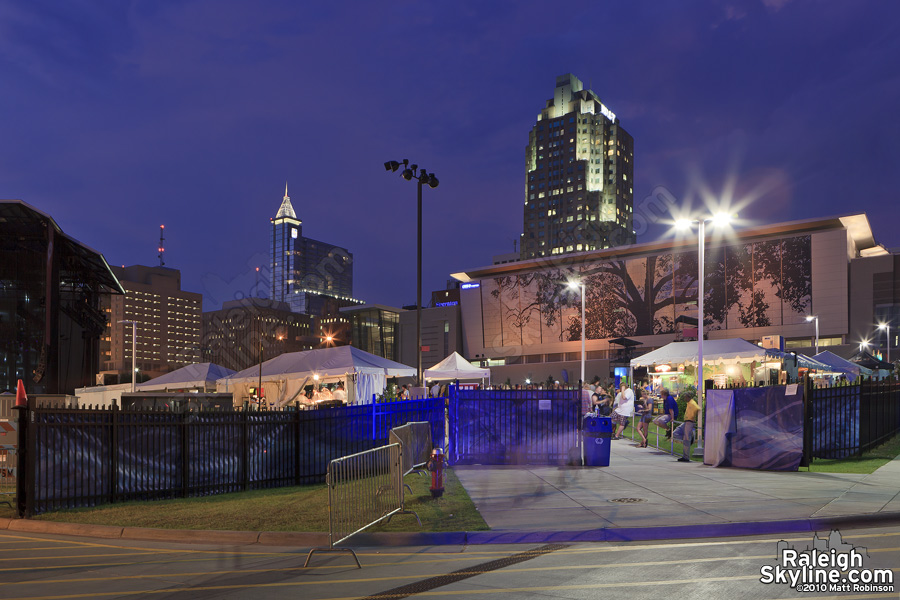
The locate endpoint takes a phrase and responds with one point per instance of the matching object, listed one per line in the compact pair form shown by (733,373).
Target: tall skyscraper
(579,176)
(311,276)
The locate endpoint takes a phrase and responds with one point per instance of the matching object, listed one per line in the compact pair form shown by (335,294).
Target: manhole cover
(627,500)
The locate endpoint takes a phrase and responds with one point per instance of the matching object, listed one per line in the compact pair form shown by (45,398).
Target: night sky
(120,116)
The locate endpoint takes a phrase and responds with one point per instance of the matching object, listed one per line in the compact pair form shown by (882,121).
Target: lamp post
(887,328)
(718,219)
(576,285)
(424,177)
(816,319)
(133,354)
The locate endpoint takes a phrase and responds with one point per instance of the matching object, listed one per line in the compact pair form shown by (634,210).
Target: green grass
(867,463)
(303,508)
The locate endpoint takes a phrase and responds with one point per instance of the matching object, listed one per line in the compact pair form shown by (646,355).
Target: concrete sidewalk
(647,488)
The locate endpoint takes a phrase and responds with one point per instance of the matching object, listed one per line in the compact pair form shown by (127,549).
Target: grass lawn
(303,508)
(867,463)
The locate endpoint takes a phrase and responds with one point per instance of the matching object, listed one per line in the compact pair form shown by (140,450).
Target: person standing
(690,420)
(436,389)
(643,412)
(624,409)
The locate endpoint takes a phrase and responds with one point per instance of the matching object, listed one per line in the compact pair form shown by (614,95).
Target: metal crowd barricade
(415,451)
(363,489)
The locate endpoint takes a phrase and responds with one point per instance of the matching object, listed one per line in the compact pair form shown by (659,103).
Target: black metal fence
(847,420)
(496,427)
(84,457)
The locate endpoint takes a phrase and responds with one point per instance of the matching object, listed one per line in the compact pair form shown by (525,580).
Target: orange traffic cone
(21,397)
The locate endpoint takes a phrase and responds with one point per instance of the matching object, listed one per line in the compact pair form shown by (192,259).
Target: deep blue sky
(119,116)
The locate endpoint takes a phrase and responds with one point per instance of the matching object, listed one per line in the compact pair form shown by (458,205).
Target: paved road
(56,567)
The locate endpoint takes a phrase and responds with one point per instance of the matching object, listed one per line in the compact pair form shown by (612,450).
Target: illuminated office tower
(313,277)
(579,176)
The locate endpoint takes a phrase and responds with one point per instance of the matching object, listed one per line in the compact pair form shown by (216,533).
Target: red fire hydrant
(436,466)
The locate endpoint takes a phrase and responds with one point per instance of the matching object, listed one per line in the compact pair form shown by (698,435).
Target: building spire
(286,210)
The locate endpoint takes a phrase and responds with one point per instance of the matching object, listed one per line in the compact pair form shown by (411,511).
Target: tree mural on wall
(746,285)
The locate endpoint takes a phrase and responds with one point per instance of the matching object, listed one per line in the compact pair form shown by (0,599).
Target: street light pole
(887,328)
(579,285)
(133,354)
(701,383)
(720,218)
(816,319)
(423,177)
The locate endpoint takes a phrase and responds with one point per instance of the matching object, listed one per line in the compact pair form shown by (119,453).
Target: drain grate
(442,580)
(628,500)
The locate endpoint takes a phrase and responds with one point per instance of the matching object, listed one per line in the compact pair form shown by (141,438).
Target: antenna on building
(515,245)
(162,245)
(257,281)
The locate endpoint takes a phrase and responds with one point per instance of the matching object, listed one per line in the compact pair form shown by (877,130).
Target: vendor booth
(725,361)
(286,377)
(456,367)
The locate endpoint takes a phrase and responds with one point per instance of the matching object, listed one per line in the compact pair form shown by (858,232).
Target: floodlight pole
(419,284)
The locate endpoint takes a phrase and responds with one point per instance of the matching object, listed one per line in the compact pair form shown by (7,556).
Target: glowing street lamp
(816,319)
(409,173)
(887,328)
(718,219)
(579,285)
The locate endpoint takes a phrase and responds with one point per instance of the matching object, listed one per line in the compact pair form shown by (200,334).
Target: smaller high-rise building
(313,277)
(579,178)
(246,331)
(374,328)
(168,323)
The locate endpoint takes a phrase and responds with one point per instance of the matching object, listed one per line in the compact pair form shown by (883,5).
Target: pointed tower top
(286,210)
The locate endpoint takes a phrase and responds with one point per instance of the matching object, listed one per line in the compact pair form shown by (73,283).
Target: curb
(454,538)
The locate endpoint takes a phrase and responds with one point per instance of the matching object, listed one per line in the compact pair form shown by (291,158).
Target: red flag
(21,398)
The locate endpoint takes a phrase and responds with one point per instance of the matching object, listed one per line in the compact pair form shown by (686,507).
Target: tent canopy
(201,375)
(730,351)
(324,362)
(841,365)
(803,361)
(285,377)
(865,359)
(456,367)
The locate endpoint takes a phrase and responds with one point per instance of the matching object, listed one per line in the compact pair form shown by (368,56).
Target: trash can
(597,436)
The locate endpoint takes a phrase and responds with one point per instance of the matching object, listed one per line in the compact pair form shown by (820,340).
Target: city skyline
(194,115)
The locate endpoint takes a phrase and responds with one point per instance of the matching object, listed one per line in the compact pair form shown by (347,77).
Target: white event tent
(457,367)
(201,376)
(285,377)
(719,352)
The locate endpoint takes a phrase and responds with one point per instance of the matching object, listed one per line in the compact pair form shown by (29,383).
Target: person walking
(624,410)
(690,419)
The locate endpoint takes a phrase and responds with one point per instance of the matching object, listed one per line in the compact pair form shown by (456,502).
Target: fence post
(185,459)
(25,473)
(245,448)
(297,446)
(806,459)
(114,452)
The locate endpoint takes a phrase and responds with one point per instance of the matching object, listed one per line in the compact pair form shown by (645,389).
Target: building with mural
(522,319)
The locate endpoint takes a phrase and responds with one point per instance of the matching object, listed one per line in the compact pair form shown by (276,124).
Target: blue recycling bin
(597,437)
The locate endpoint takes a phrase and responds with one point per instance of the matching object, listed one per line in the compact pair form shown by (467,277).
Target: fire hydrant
(436,466)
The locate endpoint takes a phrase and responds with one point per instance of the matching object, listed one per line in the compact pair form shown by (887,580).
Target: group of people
(623,406)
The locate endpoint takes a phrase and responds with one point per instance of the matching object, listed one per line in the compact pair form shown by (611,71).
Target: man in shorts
(670,412)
